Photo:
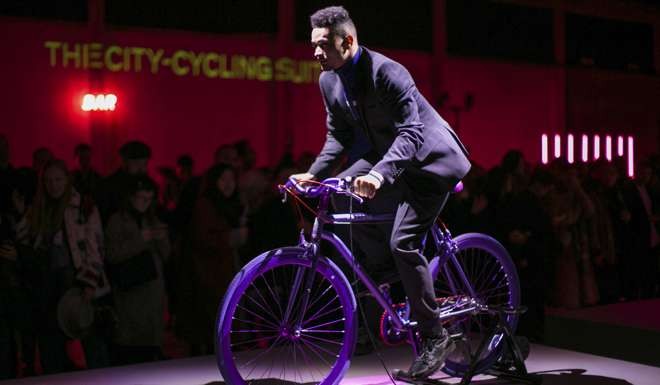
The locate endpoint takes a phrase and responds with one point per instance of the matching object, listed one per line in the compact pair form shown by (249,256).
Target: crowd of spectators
(114,262)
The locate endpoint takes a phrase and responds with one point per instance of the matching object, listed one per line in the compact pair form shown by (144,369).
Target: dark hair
(511,160)
(209,186)
(185,161)
(135,150)
(134,184)
(336,19)
(229,208)
(80,148)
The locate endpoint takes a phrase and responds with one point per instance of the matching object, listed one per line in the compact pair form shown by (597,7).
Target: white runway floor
(558,366)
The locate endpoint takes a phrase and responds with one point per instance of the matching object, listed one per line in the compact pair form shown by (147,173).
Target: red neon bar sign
(100,102)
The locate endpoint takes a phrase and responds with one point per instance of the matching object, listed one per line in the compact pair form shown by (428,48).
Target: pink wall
(513,103)
(616,103)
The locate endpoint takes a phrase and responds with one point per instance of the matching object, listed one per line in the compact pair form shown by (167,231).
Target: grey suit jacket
(404,131)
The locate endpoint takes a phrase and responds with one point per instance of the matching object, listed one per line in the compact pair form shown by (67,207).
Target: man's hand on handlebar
(366,186)
(302,178)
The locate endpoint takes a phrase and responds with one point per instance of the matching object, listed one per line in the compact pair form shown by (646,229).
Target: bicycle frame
(440,235)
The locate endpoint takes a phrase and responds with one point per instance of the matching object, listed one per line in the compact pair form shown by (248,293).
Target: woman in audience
(66,242)
(216,232)
(138,245)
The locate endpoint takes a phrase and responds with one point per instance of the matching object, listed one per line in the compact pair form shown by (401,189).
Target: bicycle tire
(250,278)
(484,261)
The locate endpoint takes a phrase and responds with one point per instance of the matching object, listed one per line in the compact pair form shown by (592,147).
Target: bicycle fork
(304,277)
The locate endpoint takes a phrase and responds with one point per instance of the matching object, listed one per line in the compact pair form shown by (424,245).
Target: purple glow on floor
(365,370)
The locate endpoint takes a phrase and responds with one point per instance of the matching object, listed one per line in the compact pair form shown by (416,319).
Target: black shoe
(434,352)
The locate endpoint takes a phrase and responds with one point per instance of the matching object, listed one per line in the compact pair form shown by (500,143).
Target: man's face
(330,50)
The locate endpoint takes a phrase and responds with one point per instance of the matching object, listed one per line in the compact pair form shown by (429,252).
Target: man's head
(334,37)
(135,156)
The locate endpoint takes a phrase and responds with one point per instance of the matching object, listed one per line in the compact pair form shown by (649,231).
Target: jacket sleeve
(398,94)
(338,141)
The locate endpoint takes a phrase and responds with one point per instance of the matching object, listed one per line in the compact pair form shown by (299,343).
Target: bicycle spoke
(494,288)
(325,340)
(272,293)
(258,316)
(321,296)
(253,331)
(312,346)
(492,275)
(264,352)
(248,321)
(317,315)
(258,304)
(304,357)
(270,309)
(487,266)
(254,340)
(325,331)
(325,324)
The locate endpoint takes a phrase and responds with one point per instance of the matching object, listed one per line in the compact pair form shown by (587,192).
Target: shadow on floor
(554,377)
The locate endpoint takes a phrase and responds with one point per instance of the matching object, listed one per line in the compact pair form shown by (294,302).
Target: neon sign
(570,149)
(100,102)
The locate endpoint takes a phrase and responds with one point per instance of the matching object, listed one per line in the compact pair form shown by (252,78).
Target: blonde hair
(47,214)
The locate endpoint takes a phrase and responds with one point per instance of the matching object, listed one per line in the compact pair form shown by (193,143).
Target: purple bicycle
(290,315)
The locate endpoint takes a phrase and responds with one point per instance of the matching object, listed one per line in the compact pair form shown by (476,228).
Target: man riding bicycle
(405,158)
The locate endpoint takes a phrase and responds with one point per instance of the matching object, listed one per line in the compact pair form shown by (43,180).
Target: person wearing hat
(135,157)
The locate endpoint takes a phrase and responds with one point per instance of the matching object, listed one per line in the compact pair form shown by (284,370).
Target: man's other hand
(366,186)
(303,178)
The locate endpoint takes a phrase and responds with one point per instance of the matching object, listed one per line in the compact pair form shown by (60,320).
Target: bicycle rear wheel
(257,337)
(490,272)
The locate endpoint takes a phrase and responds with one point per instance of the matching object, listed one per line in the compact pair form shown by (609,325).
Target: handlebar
(340,186)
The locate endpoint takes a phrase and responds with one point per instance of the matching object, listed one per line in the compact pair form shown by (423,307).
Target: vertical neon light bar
(596,147)
(608,148)
(557,146)
(619,146)
(631,157)
(570,154)
(544,149)
(585,148)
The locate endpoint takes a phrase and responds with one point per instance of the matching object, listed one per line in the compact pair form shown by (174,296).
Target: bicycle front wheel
(481,270)
(266,334)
